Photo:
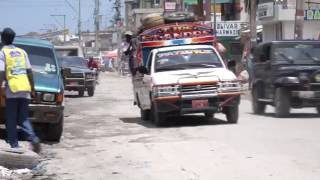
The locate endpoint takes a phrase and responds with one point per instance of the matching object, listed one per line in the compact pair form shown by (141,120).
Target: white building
(278,19)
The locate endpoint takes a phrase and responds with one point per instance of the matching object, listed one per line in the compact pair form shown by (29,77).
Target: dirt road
(104,138)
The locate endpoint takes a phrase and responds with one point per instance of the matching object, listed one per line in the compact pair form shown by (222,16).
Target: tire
(257,107)
(81,93)
(91,91)
(54,131)
(318,109)
(232,114)
(145,114)
(157,117)
(282,103)
(209,115)
(18,158)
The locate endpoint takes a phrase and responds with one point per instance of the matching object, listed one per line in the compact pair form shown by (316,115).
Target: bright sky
(34,15)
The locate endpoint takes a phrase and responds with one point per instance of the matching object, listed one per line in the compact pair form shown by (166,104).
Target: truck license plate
(306,94)
(200,103)
(73,83)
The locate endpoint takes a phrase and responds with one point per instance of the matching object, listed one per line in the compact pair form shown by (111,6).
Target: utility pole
(253,23)
(97,23)
(214,17)
(299,19)
(208,10)
(118,25)
(79,23)
(64,25)
(200,10)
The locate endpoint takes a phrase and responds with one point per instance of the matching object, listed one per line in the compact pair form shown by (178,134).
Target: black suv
(79,78)
(286,74)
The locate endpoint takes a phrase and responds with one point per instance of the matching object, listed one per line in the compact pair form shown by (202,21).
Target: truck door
(146,85)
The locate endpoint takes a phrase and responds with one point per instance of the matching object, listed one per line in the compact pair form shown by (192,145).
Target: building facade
(278,19)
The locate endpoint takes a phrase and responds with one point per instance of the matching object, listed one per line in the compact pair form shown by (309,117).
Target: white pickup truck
(186,79)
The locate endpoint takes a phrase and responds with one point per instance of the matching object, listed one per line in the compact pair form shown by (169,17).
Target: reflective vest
(16,70)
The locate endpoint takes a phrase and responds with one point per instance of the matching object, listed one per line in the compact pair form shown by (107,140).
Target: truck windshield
(42,59)
(297,53)
(67,52)
(186,59)
(78,62)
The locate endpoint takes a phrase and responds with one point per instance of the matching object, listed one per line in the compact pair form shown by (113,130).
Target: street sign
(170,6)
(231,29)
(312,14)
(265,10)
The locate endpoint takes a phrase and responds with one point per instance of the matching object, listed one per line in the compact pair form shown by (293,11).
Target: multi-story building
(136,9)
(278,19)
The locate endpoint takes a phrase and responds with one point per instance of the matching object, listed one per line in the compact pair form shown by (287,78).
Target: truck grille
(76,75)
(198,91)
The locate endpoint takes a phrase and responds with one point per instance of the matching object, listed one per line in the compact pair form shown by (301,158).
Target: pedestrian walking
(15,70)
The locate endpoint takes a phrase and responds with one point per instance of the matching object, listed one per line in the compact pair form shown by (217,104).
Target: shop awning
(191,2)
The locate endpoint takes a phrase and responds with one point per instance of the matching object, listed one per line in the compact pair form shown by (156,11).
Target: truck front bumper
(306,98)
(80,85)
(45,113)
(181,106)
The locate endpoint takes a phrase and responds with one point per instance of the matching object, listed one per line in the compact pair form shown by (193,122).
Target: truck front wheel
(257,106)
(91,91)
(54,131)
(232,114)
(157,117)
(282,102)
(318,110)
(81,93)
(145,114)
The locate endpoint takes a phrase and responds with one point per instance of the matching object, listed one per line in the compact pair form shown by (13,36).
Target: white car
(186,79)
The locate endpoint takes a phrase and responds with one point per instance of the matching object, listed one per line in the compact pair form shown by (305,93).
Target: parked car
(80,78)
(47,107)
(286,74)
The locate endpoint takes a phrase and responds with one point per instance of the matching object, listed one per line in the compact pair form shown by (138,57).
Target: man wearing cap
(15,70)
(130,51)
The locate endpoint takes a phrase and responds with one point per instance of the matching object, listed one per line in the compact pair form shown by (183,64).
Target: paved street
(104,138)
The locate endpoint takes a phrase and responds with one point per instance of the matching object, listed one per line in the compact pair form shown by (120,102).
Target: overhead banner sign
(312,14)
(170,6)
(265,10)
(228,28)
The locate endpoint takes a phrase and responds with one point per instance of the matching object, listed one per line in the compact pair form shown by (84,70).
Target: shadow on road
(292,115)
(75,96)
(22,137)
(183,121)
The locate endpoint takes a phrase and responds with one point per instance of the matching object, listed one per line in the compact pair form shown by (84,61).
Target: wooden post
(200,10)
(299,19)
(253,23)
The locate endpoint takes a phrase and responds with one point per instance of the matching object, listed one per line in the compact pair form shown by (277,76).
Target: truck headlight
(317,77)
(226,86)
(160,91)
(90,76)
(48,97)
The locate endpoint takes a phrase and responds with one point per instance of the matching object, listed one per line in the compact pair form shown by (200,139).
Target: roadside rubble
(14,174)
(17,163)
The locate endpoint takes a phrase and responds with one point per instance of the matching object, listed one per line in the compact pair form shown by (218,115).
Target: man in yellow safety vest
(15,70)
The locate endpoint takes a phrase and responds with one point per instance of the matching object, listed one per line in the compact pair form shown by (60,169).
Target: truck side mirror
(65,71)
(231,64)
(142,70)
